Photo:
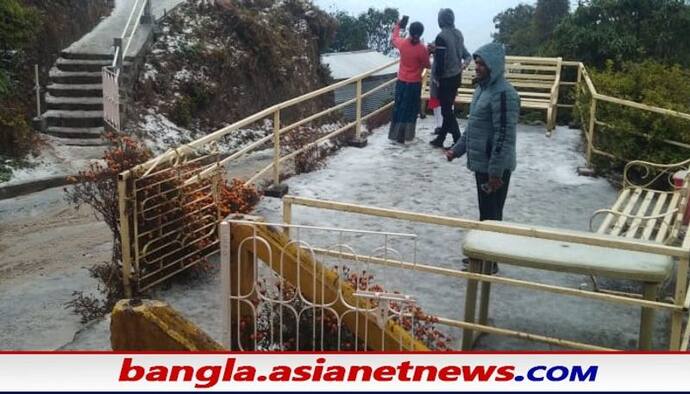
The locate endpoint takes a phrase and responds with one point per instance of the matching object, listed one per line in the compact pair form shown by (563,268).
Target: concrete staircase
(74,99)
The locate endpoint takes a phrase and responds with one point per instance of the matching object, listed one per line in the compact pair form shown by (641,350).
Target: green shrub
(635,134)
(16,135)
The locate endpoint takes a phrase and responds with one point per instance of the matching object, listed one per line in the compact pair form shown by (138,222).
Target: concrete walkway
(100,40)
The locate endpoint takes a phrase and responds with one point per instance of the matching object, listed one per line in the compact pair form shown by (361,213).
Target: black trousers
(491,204)
(447,92)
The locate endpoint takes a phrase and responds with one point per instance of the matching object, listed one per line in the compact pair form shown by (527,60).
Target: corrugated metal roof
(345,65)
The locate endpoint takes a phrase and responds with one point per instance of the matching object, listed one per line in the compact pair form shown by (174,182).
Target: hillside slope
(216,64)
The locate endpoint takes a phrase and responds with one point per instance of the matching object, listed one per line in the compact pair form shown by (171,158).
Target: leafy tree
(515,29)
(17,28)
(350,36)
(547,16)
(369,30)
(625,30)
(378,25)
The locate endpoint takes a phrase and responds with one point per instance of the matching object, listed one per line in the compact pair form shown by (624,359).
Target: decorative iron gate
(169,224)
(294,301)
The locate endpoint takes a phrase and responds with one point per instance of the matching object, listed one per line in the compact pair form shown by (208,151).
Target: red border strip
(478,353)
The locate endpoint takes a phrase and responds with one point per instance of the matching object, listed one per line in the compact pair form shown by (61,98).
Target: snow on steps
(65,118)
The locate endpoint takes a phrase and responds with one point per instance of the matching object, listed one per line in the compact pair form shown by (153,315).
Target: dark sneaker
(436,143)
(437,131)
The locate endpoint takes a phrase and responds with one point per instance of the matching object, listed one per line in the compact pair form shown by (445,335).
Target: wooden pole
(276,148)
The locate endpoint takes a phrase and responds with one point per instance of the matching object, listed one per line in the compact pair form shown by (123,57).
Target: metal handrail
(119,52)
(129,41)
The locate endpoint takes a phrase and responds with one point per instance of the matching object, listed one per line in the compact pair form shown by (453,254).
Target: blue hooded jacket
(489,139)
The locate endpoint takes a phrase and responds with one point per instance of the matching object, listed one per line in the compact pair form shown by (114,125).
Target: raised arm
(396,40)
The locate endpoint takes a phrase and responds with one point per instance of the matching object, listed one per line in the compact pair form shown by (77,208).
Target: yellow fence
(592,125)
(159,197)
(678,307)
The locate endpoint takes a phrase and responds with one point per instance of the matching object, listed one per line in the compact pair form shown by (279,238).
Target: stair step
(75,77)
(90,133)
(85,56)
(74,90)
(74,118)
(86,65)
(74,103)
(81,141)
(91,56)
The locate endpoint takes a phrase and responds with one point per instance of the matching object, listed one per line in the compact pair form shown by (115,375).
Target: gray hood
(494,56)
(446,18)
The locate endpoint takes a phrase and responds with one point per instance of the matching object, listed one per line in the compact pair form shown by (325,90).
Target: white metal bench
(537,81)
(639,213)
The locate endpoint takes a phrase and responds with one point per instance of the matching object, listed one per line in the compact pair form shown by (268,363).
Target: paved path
(100,40)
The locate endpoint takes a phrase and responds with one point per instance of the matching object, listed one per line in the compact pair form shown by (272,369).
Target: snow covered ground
(545,190)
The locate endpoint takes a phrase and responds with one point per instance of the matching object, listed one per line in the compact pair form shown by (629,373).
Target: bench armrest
(650,173)
(619,214)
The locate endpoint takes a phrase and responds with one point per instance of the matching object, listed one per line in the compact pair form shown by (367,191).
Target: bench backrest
(533,77)
(525,73)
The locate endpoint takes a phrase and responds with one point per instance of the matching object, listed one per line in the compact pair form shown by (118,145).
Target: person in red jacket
(414,58)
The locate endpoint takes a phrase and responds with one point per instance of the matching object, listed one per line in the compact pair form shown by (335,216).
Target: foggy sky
(473,18)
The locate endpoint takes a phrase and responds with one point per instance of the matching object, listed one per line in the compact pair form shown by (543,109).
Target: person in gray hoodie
(490,136)
(450,58)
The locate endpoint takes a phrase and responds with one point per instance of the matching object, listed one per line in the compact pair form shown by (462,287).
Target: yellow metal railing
(156,197)
(590,125)
(677,308)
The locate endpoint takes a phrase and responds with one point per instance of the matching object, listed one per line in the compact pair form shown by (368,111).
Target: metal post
(592,125)
(358,125)
(287,215)
(276,148)
(125,242)
(679,297)
(117,43)
(579,80)
(225,253)
(38,93)
(148,15)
